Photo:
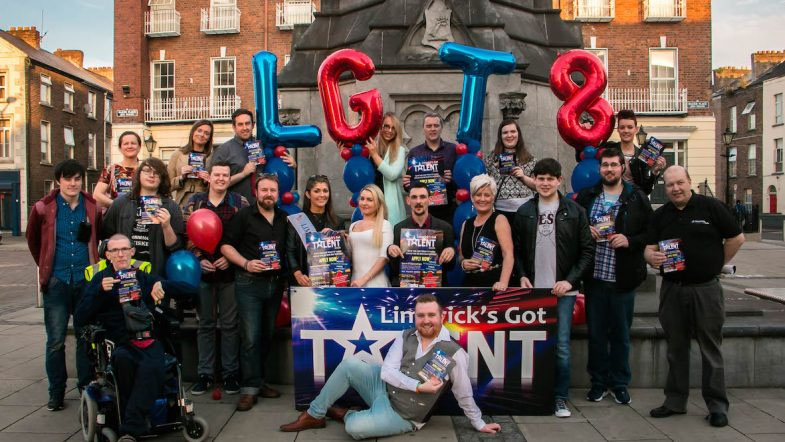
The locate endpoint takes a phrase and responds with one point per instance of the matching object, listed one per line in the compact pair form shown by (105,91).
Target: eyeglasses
(610,165)
(151,171)
(120,250)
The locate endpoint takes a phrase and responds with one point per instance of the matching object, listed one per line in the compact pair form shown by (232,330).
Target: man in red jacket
(62,237)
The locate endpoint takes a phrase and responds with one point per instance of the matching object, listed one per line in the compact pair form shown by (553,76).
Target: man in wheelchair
(122,298)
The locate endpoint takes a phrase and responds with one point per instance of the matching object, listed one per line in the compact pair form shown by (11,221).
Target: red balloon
(352,202)
(479,154)
(368,103)
(284,314)
(579,311)
(599,152)
(580,99)
(366,153)
(204,229)
(280,151)
(287,198)
(346,154)
(461,149)
(462,195)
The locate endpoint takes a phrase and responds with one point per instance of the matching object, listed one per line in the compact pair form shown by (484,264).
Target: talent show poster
(510,338)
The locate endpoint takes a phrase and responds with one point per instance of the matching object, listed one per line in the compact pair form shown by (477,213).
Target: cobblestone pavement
(755,414)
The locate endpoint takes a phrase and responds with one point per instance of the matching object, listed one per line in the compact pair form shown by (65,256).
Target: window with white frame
(748,200)
(68,97)
(91,104)
(752,156)
(46,89)
(107,150)
(68,137)
(602,54)
(46,151)
(749,112)
(49,186)
(778,155)
(732,157)
(165,153)
(778,109)
(732,119)
(107,109)
(286,58)
(223,83)
(91,154)
(5,139)
(3,86)
(163,85)
(663,79)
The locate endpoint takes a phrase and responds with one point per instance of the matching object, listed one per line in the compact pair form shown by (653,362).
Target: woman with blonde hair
(188,165)
(389,156)
(486,240)
(369,239)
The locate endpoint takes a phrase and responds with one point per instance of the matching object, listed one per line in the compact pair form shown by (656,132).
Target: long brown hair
(189,146)
(328,208)
(395,146)
(521,153)
(164,188)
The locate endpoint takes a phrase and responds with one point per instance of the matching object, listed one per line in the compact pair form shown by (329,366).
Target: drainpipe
(266,23)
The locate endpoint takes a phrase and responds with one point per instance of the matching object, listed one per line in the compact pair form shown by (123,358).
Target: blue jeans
(258,299)
(60,301)
(380,419)
(564,307)
(609,318)
(216,301)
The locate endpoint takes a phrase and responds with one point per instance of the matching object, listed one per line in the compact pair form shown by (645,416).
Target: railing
(190,108)
(648,101)
(221,19)
(293,12)
(663,10)
(594,10)
(162,23)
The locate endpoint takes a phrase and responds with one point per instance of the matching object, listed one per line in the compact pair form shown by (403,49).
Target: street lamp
(150,144)
(641,136)
(727,139)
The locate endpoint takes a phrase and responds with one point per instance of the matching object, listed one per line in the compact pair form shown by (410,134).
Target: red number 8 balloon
(368,103)
(579,99)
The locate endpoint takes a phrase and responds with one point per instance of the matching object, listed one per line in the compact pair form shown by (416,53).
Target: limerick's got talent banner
(510,338)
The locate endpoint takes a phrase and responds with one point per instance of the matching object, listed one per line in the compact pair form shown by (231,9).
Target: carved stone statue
(437,24)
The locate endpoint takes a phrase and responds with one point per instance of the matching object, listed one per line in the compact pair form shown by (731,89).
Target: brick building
(658,57)
(177,62)
(51,108)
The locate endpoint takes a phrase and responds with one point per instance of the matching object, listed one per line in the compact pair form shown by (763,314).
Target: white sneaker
(561,409)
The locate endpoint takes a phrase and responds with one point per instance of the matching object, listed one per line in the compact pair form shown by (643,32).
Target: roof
(54,62)
(775,71)
(390,32)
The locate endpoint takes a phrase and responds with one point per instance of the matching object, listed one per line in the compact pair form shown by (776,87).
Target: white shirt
(461,385)
(364,254)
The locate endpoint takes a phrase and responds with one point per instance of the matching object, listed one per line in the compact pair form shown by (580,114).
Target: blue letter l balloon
(268,127)
(477,64)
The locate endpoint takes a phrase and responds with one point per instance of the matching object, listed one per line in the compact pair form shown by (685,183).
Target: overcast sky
(739,27)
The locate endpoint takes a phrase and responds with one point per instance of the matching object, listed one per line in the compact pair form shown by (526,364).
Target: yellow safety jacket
(92,270)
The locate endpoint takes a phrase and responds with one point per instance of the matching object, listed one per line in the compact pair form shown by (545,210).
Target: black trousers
(687,311)
(140,374)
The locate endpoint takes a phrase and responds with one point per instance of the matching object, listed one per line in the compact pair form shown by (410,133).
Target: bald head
(675,172)
(677,185)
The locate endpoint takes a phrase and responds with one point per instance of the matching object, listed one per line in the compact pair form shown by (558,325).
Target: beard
(265,204)
(610,182)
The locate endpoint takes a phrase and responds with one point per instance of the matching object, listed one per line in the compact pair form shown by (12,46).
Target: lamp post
(641,136)
(149,144)
(727,139)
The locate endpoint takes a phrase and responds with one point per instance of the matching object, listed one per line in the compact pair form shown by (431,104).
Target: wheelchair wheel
(88,416)
(107,435)
(196,429)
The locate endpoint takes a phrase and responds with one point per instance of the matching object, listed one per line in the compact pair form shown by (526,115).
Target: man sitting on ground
(399,402)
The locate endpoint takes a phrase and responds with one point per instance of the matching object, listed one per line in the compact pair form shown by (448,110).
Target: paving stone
(465,432)
(438,428)
(217,415)
(44,421)
(646,399)
(37,393)
(774,407)
(11,386)
(568,431)
(757,393)
(32,369)
(257,426)
(749,420)
(767,437)
(333,431)
(607,422)
(29,437)
(694,429)
(10,414)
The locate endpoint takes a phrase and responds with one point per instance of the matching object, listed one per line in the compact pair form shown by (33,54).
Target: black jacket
(632,221)
(640,171)
(574,243)
(447,241)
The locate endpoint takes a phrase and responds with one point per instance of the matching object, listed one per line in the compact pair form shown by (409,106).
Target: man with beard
(256,242)
(689,239)
(399,401)
(618,216)
(417,200)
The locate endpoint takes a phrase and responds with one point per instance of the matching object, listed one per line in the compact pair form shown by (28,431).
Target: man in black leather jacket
(553,249)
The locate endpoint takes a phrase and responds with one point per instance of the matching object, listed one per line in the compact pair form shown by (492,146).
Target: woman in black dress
(486,240)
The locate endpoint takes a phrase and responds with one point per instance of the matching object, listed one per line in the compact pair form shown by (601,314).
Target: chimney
(763,60)
(726,75)
(75,56)
(104,71)
(28,34)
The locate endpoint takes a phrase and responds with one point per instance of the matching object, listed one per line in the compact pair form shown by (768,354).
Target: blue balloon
(356,197)
(477,64)
(463,212)
(357,150)
(285,174)
(589,152)
(357,215)
(467,167)
(455,276)
(291,209)
(586,174)
(268,152)
(296,196)
(183,266)
(357,172)
(269,130)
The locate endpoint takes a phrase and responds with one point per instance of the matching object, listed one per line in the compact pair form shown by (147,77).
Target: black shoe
(200,387)
(717,419)
(596,394)
(663,411)
(621,395)
(55,404)
(231,386)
